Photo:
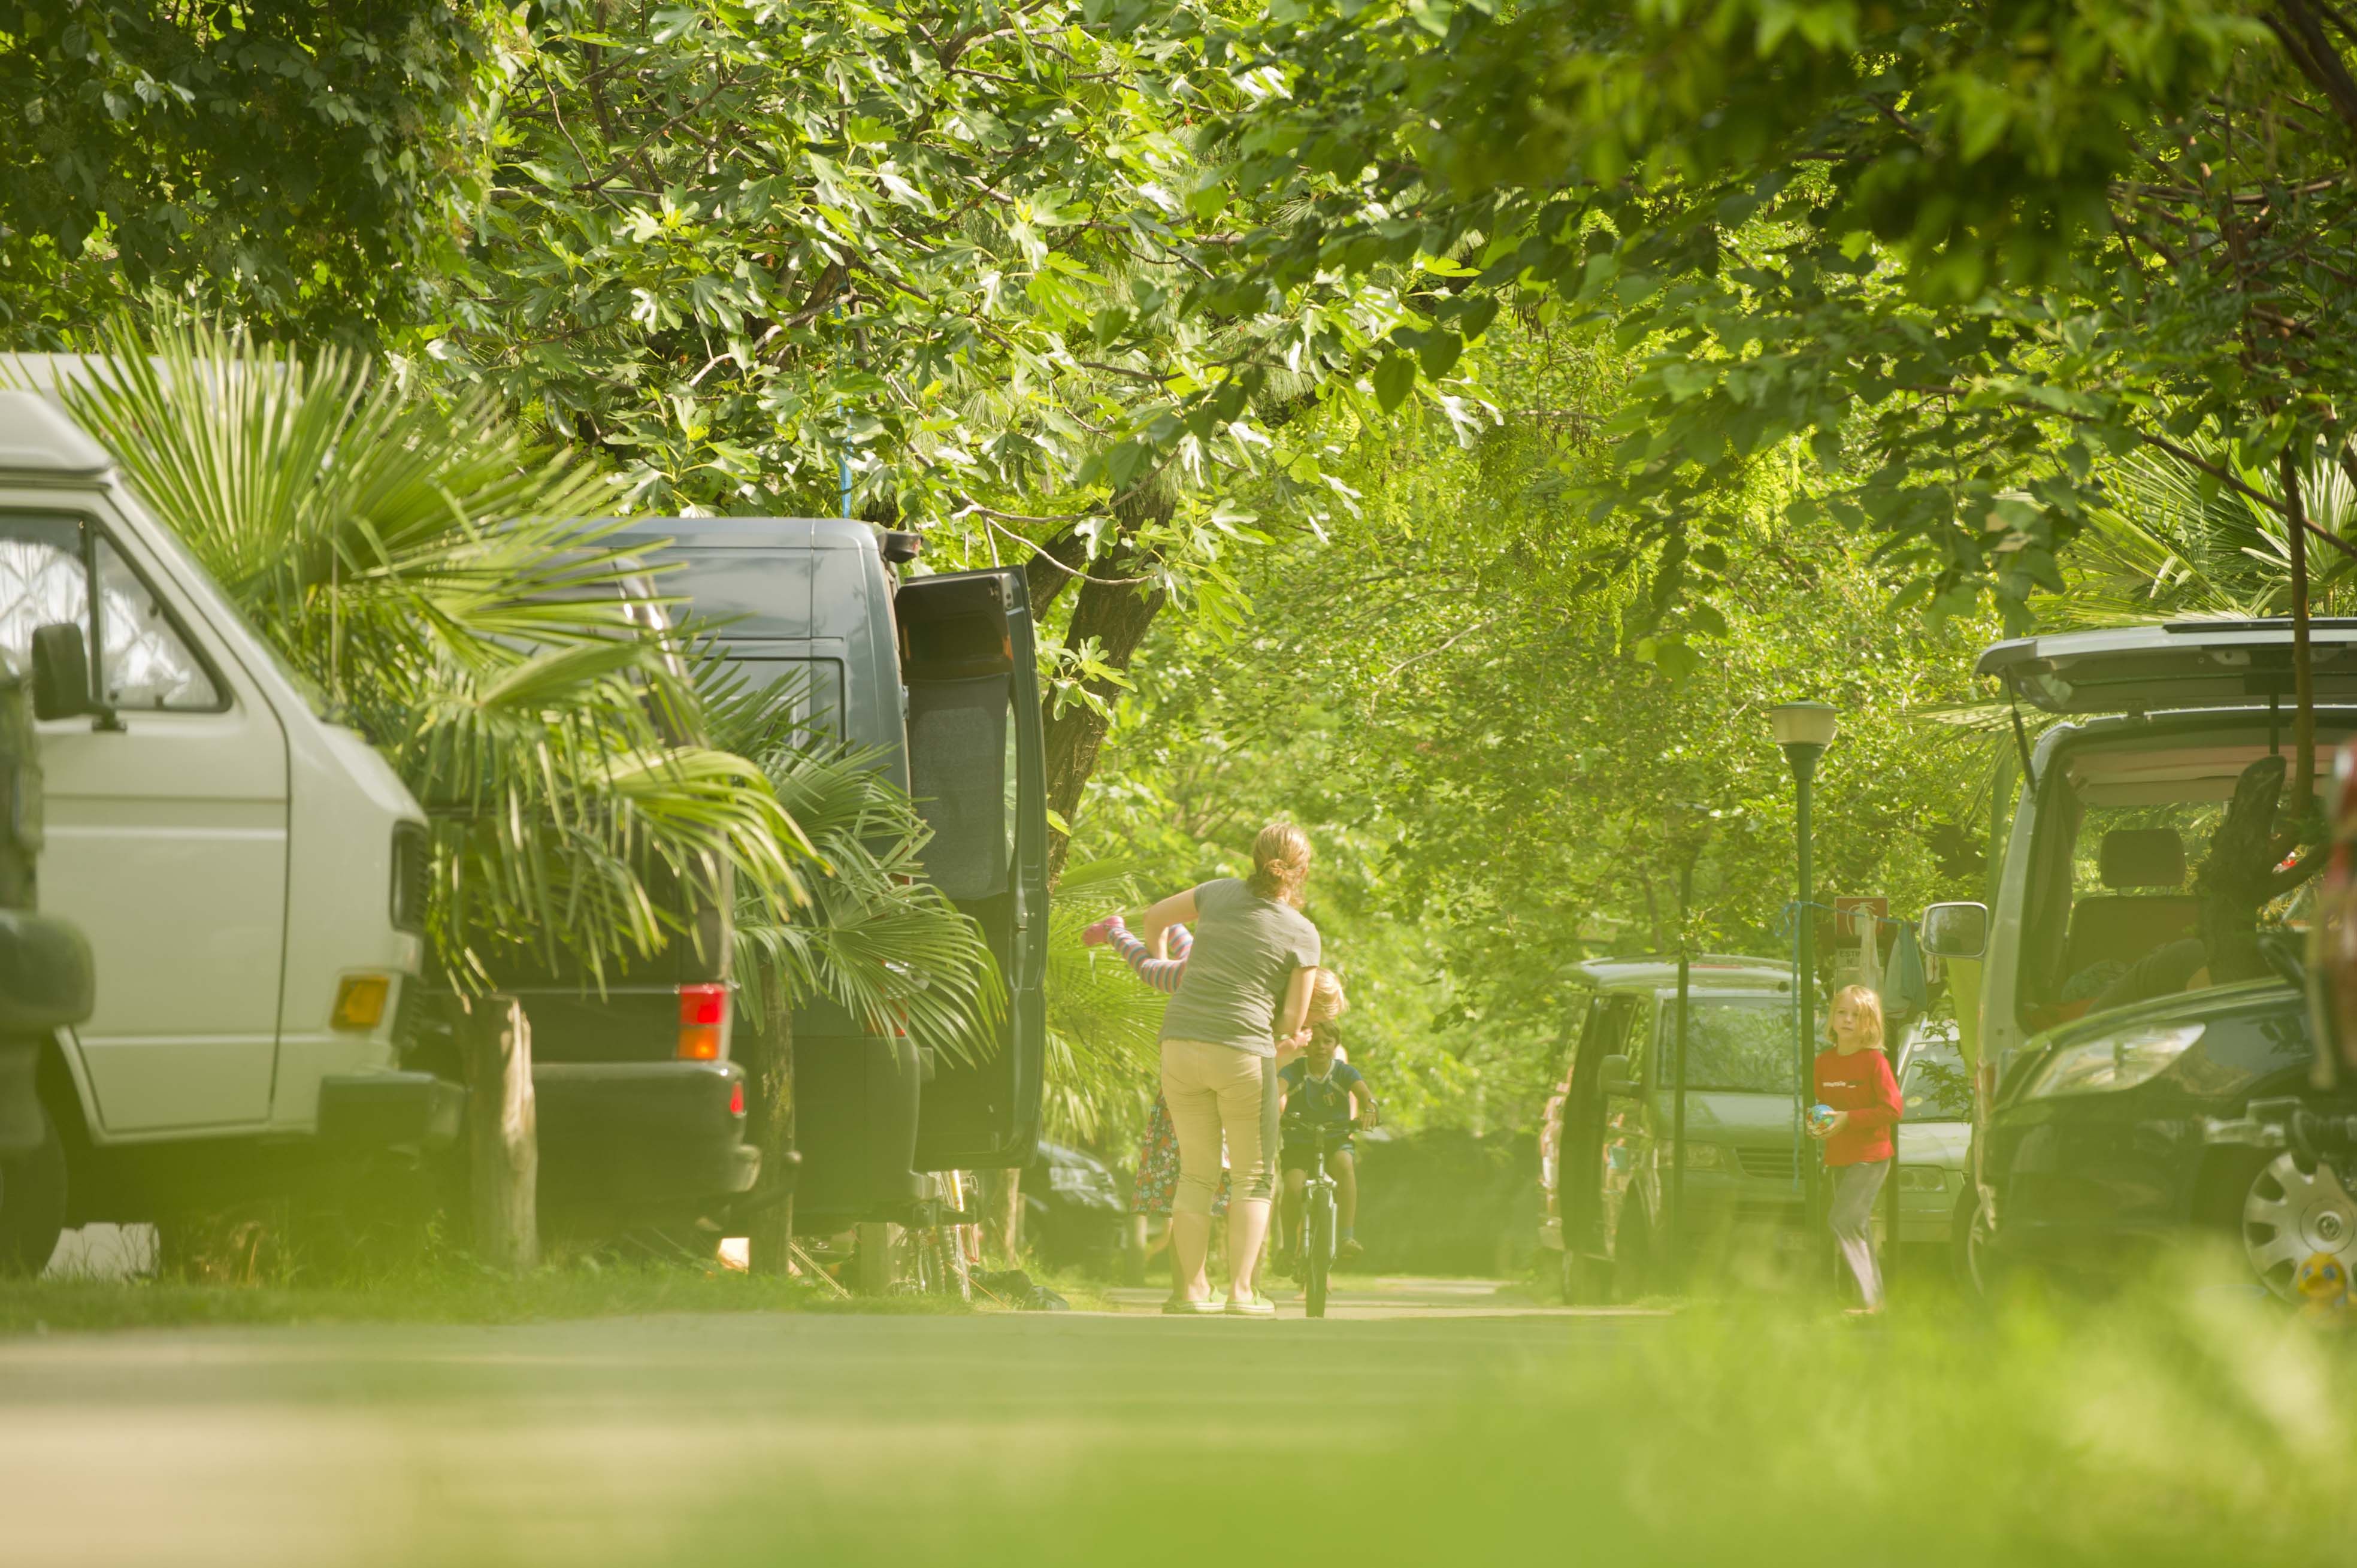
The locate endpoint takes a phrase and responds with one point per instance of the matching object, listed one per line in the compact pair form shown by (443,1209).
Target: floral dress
(1157,1167)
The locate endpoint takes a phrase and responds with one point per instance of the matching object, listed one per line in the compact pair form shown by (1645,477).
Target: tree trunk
(1043,583)
(1117,616)
(502,1135)
(770,1127)
(2303,666)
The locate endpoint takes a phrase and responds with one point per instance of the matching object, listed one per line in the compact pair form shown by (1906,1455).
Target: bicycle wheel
(1317,1252)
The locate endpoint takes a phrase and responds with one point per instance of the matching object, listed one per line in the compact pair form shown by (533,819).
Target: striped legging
(1162,973)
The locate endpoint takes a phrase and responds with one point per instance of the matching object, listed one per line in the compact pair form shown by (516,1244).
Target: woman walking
(1247,984)
(1856,1082)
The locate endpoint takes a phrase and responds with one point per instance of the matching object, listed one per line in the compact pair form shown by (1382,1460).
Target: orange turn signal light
(360,1002)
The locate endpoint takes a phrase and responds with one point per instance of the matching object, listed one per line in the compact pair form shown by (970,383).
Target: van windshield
(1738,1043)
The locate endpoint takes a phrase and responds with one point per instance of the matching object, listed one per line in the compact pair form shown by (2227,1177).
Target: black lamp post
(1804,730)
(1688,825)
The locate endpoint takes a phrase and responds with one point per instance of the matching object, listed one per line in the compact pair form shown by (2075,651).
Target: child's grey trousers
(1851,1215)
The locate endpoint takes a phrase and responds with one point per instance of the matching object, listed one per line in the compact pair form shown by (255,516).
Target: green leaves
(937,248)
(1954,251)
(1393,378)
(302,165)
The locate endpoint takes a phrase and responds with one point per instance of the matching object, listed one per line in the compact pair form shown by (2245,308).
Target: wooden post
(502,1135)
(768,1060)
(872,1263)
(1002,1216)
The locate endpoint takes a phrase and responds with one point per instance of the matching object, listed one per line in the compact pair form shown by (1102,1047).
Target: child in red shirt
(1856,1082)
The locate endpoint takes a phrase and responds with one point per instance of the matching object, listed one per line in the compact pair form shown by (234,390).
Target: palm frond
(1103,1024)
(873,937)
(429,572)
(2175,544)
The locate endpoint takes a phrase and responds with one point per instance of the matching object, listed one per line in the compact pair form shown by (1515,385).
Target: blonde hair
(1869,1005)
(1327,1001)
(1280,863)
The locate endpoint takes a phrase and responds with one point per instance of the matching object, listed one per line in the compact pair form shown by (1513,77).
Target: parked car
(1604,1141)
(2095,1152)
(1073,1213)
(249,877)
(936,675)
(2090,1094)
(1935,1135)
(46,984)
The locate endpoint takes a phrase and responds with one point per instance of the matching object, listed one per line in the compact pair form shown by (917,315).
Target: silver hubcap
(2291,1214)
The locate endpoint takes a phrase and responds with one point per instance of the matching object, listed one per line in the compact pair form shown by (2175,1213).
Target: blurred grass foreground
(2197,1426)
(2186,1422)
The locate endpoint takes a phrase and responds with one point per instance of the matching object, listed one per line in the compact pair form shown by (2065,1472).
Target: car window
(1937,1087)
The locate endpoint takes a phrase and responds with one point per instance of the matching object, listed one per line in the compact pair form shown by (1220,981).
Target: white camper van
(251,879)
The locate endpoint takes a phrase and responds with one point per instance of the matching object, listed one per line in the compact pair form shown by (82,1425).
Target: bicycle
(1318,1236)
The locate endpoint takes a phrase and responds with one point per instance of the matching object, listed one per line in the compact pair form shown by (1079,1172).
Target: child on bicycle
(1318,1089)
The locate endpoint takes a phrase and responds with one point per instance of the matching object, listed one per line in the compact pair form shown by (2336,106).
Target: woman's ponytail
(1280,863)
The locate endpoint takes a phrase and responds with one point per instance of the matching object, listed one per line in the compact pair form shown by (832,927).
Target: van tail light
(703,1020)
(737,1098)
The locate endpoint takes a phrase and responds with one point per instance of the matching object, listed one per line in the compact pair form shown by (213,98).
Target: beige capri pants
(1214,1090)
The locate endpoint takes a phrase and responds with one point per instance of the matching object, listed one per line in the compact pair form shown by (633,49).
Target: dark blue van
(937,674)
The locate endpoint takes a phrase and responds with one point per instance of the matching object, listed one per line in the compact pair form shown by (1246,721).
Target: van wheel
(2290,1214)
(33,1204)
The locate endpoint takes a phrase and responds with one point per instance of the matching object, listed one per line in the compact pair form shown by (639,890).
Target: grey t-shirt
(1246,948)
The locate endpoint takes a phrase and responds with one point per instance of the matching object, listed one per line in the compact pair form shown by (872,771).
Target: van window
(2110,914)
(143,661)
(1742,1044)
(810,689)
(960,771)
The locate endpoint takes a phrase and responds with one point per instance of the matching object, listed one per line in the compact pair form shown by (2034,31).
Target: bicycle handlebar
(1324,1130)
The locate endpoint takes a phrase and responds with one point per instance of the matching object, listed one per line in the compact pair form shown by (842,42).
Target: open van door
(978,770)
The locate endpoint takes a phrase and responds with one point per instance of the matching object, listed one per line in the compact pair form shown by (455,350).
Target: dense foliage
(1450,688)
(1956,256)
(306,165)
(1448,422)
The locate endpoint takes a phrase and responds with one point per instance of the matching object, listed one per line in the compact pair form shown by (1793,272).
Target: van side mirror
(60,672)
(1615,1070)
(1956,931)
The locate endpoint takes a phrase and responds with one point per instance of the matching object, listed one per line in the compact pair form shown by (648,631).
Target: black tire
(1318,1253)
(1633,1256)
(1978,1272)
(33,1204)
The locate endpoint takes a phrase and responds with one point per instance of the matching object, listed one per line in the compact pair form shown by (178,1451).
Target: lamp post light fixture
(1803,731)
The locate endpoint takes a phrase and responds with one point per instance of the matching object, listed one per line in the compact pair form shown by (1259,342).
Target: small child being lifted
(1319,1090)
